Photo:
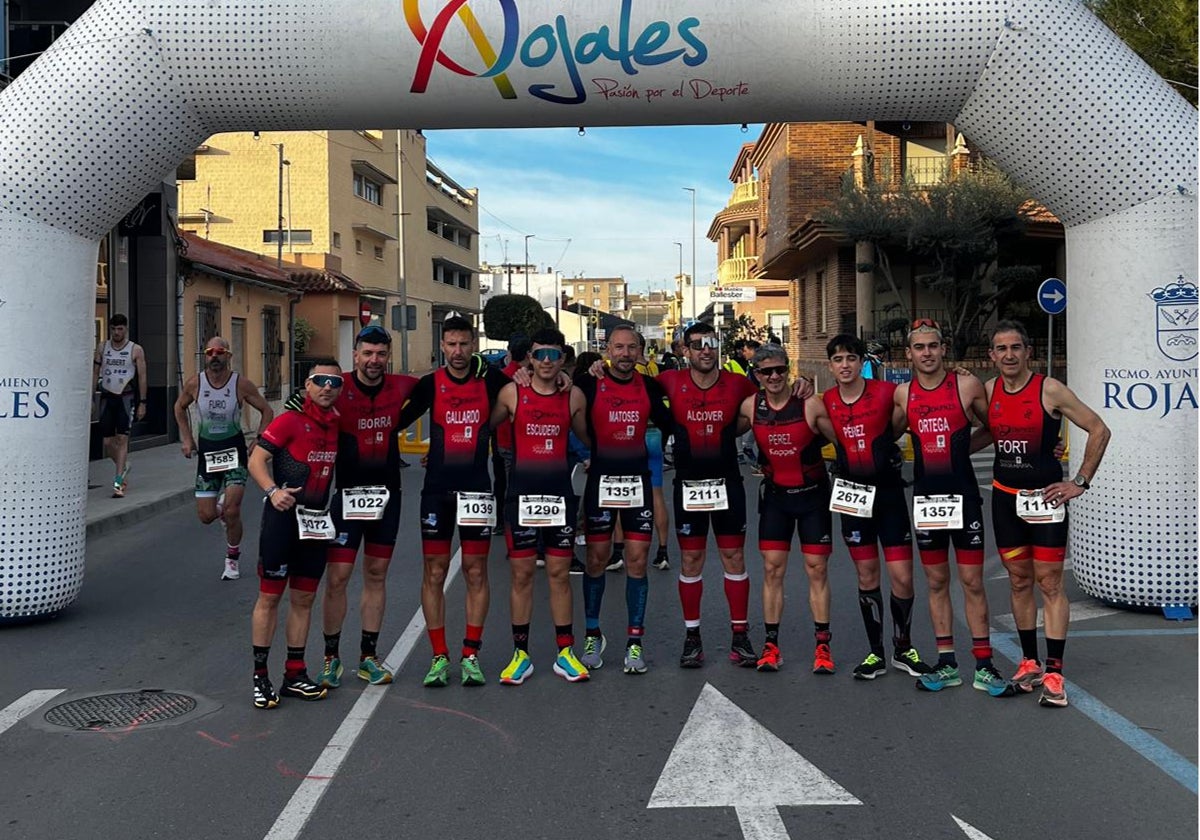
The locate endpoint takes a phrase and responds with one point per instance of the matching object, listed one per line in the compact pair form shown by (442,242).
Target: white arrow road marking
(22,706)
(1080,611)
(726,759)
(971,831)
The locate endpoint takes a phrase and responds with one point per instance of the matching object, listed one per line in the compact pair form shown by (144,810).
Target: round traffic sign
(1052,296)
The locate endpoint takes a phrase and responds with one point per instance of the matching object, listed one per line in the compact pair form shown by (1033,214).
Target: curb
(117,521)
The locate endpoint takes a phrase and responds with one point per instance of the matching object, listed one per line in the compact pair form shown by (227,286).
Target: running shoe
(568,667)
(231,571)
(756,469)
(541,561)
(593,651)
(580,539)
(118,488)
(634,663)
(264,693)
(301,686)
(741,652)
(439,672)
(1029,673)
(577,567)
(1054,693)
(519,669)
(823,660)
(331,673)
(870,668)
(372,670)
(946,676)
(472,674)
(771,658)
(616,563)
(693,651)
(910,662)
(661,561)
(988,679)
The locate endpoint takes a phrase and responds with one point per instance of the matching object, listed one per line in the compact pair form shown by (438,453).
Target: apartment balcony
(745,191)
(735,270)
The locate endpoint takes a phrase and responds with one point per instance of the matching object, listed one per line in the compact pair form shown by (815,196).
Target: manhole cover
(120,711)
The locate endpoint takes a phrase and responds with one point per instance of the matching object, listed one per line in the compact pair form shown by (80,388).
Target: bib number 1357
(853,499)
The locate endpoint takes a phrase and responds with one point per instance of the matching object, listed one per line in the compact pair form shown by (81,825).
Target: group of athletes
(329,467)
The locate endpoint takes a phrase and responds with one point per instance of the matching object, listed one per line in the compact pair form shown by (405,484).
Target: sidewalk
(159,479)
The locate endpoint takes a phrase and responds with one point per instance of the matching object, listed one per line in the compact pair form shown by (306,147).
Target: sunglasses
(374,334)
(708,342)
(547,354)
(768,372)
(215,351)
(928,323)
(326,380)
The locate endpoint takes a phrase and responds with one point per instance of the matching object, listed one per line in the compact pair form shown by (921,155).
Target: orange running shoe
(823,660)
(771,658)
(1054,693)
(1029,673)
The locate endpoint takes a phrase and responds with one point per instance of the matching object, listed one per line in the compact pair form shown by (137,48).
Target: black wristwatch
(1081,481)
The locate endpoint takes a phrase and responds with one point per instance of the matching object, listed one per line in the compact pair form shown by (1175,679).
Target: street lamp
(679,283)
(692,190)
(279,230)
(528,236)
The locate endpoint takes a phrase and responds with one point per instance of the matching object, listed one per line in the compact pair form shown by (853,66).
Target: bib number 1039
(477,510)
(853,499)
(1032,507)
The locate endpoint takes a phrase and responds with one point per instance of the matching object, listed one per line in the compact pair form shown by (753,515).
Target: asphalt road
(714,751)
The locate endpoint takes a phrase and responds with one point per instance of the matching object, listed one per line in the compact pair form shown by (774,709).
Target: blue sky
(616,193)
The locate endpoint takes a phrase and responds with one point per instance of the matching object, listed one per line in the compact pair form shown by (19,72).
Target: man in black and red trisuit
(708,487)
(460,407)
(940,407)
(793,497)
(864,428)
(293,464)
(541,503)
(368,460)
(619,407)
(1025,411)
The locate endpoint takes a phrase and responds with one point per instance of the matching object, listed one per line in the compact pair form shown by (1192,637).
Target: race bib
(477,510)
(938,513)
(542,511)
(621,491)
(364,503)
(223,460)
(708,494)
(1034,509)
(315,524)
(853,499)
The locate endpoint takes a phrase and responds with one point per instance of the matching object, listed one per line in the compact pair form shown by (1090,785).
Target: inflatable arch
(1040,85)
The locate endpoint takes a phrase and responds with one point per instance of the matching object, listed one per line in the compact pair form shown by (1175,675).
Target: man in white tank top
(119,364)
(219,394)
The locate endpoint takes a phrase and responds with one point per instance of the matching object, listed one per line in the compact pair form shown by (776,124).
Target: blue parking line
(1144,744)
(1085,634)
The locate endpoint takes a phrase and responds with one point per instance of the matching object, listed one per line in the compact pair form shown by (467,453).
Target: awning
(369,170)
(363,227)
(435,212)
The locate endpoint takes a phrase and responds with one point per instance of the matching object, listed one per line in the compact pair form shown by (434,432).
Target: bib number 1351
(620,491)
(853,499)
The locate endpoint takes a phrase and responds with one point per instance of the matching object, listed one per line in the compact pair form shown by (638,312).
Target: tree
(507,315)
(740,328)
(302,335)
(958,225)
(1162,32)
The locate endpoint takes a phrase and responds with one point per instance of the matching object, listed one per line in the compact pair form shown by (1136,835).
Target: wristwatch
(1081,481)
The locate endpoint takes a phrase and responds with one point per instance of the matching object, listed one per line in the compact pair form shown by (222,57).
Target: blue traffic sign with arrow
(1052,296)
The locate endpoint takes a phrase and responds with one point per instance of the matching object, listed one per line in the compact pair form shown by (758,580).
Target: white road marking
(971,831)
(11,714)
(304,801)
(1080,611)
(725,758)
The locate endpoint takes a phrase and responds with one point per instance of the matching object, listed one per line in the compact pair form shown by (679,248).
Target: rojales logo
(659,42)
